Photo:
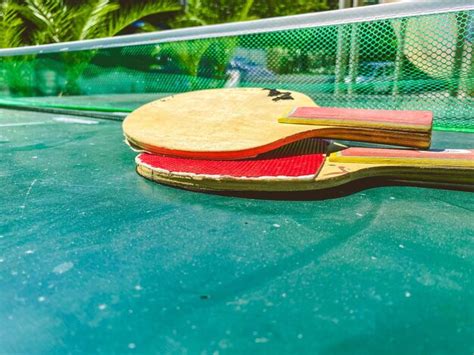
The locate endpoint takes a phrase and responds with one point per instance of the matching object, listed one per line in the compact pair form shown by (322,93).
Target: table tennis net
(423,61)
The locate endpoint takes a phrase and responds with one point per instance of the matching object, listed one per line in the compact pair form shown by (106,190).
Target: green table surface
(96,259)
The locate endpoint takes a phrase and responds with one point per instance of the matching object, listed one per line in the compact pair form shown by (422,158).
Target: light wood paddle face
(243,122)
(214,121)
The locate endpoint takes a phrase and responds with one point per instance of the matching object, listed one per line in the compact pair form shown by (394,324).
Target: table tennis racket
(310,164)
(238,123)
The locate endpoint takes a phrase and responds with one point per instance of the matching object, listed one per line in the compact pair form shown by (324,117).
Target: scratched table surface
(95,259)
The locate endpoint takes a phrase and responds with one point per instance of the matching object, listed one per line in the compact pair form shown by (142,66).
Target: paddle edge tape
(403,120)
(443,158)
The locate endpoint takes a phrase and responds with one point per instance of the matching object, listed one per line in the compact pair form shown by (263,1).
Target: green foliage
(191,57)
(92,17)
(207,12)
(11,25)
(204,58)
(273,8)
(129,13)
(50,21)
(26,22)
(53,21)
(51,18)
(31,22)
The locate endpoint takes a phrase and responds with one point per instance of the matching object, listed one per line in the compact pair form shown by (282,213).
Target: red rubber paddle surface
(301,158)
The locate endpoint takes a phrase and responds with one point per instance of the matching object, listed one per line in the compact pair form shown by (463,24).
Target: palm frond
(11,25)
(94,14)
(53,20)
(209,12)
(244,13)
(128,14)
(195,15)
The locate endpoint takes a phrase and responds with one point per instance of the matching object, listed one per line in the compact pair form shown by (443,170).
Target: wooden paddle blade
(303,166)
(238,123)
(214,124)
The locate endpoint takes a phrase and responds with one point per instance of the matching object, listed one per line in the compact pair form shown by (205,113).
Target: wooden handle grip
(390,120)
(452,166)
(448,158)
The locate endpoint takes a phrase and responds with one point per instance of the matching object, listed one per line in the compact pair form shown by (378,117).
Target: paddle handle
(450,165)
(387,120)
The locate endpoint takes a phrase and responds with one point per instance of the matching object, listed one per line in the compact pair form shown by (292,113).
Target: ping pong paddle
(310,164)
(238,123)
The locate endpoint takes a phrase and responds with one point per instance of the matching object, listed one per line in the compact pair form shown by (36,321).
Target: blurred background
(27,22)
(421,60)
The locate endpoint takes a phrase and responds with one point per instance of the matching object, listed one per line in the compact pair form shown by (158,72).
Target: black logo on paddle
(279,95)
